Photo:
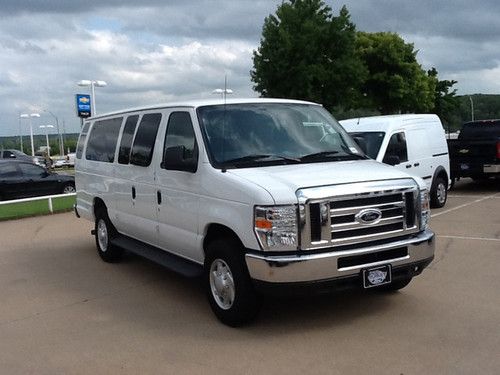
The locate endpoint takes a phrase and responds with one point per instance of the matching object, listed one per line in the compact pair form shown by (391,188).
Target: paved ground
(63,311)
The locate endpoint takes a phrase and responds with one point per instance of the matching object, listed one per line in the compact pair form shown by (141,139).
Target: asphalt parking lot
(64,311)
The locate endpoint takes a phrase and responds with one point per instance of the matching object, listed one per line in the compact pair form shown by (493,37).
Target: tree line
(306,52)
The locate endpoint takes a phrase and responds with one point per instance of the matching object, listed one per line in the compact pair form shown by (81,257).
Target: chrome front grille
(389,207)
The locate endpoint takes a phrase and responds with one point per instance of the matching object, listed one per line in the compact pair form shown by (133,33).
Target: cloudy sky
(154,51)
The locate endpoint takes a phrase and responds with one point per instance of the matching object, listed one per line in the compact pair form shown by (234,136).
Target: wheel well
(99,205)
(219,231)
(440,172)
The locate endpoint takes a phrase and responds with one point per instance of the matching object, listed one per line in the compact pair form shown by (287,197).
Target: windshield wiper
(260,157)
(319,155)
(328,154)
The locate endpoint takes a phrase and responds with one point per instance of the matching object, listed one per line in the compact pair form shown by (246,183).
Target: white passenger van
(257,195)
(412,143)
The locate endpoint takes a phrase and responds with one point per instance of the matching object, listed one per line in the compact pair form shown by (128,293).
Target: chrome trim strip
(335,212)
(338,228)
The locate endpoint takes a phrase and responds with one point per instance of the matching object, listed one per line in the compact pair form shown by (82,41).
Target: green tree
(308,53)
(396,82)
(446,102)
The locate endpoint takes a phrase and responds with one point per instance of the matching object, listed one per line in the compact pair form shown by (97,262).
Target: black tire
(68,189)
(229,287)
(439,193)
(104,233)
(395,285)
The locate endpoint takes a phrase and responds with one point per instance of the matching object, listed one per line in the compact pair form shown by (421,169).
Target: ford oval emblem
(368,216)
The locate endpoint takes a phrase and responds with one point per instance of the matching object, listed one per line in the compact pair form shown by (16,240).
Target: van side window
(81,140)
(397,147)
(102,141)
(144,142)
(127,138)
(180,136)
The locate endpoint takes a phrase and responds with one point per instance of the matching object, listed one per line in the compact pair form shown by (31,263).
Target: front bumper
(328,266)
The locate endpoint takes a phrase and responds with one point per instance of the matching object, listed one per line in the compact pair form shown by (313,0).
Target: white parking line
(471,238)
(465,205)
(468,196)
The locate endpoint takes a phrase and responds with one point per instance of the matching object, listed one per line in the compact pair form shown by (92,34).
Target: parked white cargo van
(412,143)
(257,195)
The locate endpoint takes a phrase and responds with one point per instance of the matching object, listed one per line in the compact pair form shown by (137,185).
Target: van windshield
(245,135)
(369,142)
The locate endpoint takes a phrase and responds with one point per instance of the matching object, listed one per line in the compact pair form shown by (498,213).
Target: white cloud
(163,50)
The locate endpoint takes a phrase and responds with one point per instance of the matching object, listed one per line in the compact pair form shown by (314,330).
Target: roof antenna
(223,91)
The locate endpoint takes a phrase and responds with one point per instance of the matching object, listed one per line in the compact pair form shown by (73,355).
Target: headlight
(425,211)
(276,227)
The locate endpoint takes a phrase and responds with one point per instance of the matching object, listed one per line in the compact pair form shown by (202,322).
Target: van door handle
(158,196)
(408,165)
(416,164)
(133,192)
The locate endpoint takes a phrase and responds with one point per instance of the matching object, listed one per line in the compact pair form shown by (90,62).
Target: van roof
(386,123)
(204,102)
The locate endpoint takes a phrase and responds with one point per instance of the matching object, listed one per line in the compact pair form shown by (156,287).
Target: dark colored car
(19,156)
(476,152)
(19,179)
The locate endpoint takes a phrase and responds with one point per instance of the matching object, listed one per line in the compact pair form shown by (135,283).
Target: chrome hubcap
(441,193)
(102,235)
(222,284)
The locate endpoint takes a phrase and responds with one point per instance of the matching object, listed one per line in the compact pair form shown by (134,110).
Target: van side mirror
(392,160)
(175,158)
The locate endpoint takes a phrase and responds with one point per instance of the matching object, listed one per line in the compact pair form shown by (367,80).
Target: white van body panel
(425,138)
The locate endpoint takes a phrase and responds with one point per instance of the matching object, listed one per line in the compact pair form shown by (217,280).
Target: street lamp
(92,84)
(223,92)
(471,108)
(30,116)
(59,136)
(46,127)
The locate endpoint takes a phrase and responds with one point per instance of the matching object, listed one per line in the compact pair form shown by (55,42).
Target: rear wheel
(104,233)
(229,288)
(68,189)
(439,193)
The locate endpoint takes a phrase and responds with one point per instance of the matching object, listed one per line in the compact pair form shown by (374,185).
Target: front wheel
(229,288)
(439,193)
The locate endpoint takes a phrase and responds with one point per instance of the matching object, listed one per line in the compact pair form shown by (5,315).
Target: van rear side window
(144,141)
(102,141)
(127,138)
(81,140)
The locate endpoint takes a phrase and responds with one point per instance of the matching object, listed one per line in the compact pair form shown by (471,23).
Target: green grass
(35,208)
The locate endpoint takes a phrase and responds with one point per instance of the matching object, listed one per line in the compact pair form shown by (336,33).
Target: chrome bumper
(324,266)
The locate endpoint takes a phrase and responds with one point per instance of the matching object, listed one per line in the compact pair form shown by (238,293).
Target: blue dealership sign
(83,105)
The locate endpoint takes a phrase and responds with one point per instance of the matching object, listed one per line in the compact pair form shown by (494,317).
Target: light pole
(471,108)
(21,133)
(61,142)
(30,116)
(92,84)
(46,127)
